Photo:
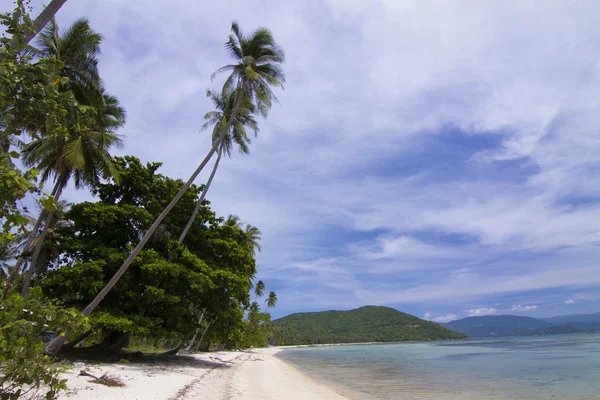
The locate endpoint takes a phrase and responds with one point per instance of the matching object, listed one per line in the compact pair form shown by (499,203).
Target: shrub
(25,371)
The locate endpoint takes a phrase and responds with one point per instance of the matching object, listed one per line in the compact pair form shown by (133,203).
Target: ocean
(562,367)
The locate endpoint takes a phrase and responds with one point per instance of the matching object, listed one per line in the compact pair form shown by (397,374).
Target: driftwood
(106,379)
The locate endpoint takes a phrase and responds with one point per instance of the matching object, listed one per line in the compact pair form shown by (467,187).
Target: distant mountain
(574,318)
(498,325)
(365,324)
(513,325)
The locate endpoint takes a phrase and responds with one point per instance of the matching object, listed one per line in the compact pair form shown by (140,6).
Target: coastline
(254,375)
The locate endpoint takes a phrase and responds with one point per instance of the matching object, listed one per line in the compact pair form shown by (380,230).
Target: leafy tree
(258,67)
(159,298)
(25,370)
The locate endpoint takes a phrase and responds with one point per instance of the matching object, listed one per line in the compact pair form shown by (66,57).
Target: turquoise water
(536,367)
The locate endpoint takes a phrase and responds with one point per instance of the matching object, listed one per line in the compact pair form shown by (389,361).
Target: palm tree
(77,49)
(233,221)
(83,156)
(271,300)
(259,290)
(258,59)
(257,67)
(50,252)
(224,103)
(252,238)
(45,16)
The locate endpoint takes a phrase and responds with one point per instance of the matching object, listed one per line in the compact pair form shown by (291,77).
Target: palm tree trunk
(42,20)
(77,340)
(55,344)
(27,247)
(189,347)
(38,247)
(202,196)
(204,333)
(173,351)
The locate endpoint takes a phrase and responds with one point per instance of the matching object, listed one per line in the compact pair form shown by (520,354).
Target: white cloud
(569,301)
(445,318)
(477,312)
(442,318)
(405,247)
(520,308)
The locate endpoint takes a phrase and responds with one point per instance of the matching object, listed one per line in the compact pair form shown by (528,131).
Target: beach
(253,375)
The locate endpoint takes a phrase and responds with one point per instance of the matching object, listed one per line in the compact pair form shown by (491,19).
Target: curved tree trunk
(173,351)
(55,344)
(204,333)
(33,265)
(202,196)
(77,340)
(28,244)
(189,347)
(42,20)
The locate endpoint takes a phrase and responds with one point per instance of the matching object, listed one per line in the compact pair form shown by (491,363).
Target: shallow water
(535,367)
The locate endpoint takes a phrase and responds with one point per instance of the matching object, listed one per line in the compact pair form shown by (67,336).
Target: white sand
(255,375)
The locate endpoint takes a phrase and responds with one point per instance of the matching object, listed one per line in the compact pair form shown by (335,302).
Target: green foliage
(23,321)
(38,104)
(168,282)
(257,66)
(365,324)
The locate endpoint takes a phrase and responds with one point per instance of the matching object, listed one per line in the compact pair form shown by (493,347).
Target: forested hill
(365,324)
(514,325)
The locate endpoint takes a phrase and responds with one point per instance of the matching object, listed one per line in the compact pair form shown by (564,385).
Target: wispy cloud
(569,301)
(445,318)
(478,312)
(519,308)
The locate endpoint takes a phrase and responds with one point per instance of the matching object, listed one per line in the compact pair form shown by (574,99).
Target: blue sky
(439,157)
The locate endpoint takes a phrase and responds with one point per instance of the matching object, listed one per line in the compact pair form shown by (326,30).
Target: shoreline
(254,375)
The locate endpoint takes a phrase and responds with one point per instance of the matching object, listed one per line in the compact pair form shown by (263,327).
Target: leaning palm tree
(258,67)
(252,237)
(233,221)
(79,155)
(271,300)
(259,290)
(224,103)
(45,16)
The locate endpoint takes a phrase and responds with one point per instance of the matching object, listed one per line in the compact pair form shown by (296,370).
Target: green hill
(365,324)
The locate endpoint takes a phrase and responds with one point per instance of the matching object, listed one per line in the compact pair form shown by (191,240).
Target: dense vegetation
(365,324)
(148,261)
(514,325)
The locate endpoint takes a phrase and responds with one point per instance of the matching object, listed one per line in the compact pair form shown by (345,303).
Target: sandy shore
(256,375)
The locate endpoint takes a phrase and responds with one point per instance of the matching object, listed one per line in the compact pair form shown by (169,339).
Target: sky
(438,157)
